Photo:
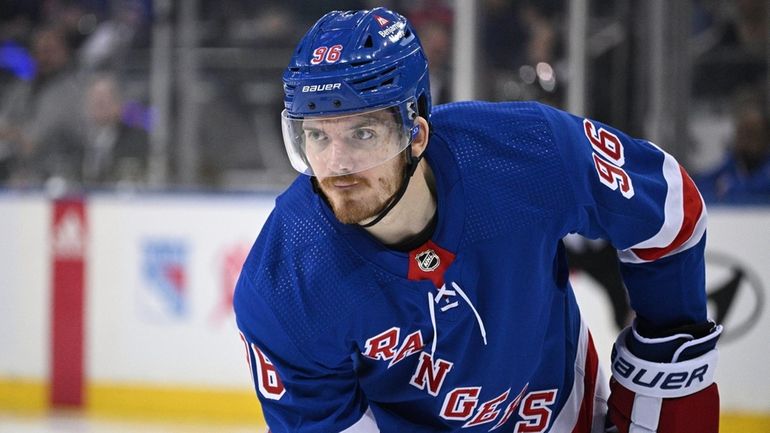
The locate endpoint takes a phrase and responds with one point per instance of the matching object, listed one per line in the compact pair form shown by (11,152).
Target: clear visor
(336,146)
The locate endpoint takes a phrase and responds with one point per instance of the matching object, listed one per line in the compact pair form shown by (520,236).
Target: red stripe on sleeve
(692,209)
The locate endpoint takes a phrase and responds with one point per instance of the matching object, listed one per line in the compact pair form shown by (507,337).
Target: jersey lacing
(443,291)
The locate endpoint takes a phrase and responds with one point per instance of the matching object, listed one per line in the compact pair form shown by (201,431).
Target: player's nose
(339,158)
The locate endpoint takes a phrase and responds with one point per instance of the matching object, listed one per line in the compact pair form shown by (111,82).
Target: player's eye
(315,135)
(363,134)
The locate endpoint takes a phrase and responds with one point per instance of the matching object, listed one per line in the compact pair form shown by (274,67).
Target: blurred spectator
(520,44)
(541,43)
(116,153)
(228,144)
(17,18)
(264,24)
(15,27)
(749,30)
(733,48)
(38,125)
(72,17)
(108,45)
(744,174)
(437,41)
(15,64)
(15,61)
(433,21)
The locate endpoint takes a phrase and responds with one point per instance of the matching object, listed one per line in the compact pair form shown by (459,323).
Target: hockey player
(413,278)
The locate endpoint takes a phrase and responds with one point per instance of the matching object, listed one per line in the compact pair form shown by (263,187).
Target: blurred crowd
(64,115)
(732,83)
(75,86)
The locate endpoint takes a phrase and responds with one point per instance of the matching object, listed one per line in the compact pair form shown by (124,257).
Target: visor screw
(311,105)
(337,103)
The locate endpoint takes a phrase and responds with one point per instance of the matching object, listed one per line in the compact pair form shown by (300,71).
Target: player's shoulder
(512,131)
(471,124)
(480,113)
(296,228)
(512,147)
(300,263)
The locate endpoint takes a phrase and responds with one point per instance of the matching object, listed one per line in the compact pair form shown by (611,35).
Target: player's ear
(420,141)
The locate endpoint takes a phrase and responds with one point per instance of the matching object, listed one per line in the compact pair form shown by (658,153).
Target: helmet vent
(388,71)
(373,77)
(376,86)
(368,42)
(375,81)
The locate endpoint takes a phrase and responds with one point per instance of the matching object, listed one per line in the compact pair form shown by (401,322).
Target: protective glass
(328,146)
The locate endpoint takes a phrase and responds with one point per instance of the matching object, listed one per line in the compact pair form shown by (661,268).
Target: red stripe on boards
(692,207)
(68,239)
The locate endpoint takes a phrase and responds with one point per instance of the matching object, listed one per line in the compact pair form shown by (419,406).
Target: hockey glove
(665,384)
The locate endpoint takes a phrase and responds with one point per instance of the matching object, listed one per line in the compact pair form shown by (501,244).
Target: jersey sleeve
(638,197)
(297,393)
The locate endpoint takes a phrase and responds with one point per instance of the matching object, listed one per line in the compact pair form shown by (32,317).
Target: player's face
(335,147)
(354,197)
(351,144)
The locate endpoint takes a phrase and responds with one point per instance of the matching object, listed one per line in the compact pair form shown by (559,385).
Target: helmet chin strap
(411,165)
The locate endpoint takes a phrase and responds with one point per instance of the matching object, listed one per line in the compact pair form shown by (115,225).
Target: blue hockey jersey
(478,329)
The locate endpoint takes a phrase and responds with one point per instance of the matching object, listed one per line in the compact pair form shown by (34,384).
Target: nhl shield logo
(428,260)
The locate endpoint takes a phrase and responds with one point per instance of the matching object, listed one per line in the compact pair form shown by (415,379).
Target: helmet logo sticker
(394,32)
(381,21)
(326,54)
(321,87)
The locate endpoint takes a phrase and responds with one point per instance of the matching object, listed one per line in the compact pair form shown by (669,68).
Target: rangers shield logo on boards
(164,272)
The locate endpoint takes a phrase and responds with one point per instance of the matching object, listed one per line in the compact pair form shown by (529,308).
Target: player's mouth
(343,183)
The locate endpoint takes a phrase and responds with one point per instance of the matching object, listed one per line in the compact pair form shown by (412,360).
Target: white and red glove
(665,384)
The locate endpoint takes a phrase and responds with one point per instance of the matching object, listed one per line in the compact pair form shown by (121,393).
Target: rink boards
(157,335)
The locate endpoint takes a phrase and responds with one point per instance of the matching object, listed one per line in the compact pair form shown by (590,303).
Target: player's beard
(366,200)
